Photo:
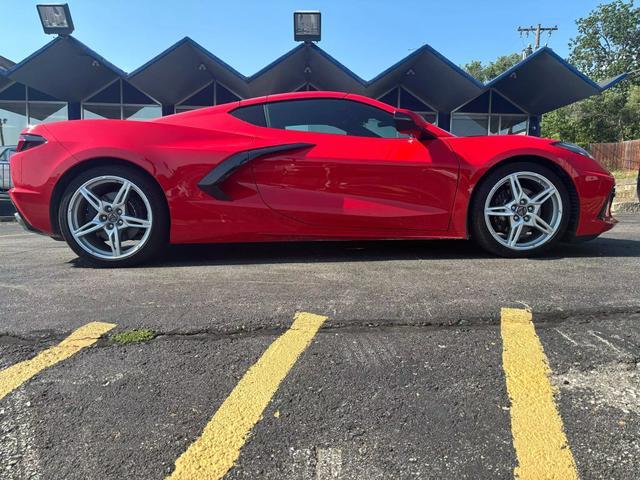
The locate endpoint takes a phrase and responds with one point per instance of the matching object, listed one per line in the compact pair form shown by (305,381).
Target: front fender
(479,155)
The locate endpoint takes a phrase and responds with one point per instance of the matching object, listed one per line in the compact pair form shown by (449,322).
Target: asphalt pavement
(405,378)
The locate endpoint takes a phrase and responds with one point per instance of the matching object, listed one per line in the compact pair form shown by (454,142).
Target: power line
(537,30)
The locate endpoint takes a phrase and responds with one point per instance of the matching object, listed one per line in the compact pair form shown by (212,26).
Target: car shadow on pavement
(370,251)
(600,247)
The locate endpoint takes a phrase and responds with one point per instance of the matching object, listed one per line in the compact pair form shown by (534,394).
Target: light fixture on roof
(56,19)
(306,26)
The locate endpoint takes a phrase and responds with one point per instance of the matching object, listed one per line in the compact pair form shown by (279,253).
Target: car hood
(507,141)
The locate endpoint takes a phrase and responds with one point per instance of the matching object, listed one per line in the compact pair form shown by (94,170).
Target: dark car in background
(6,208)
(5,178)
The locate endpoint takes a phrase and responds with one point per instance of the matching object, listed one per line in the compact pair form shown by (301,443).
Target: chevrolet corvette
(300,166)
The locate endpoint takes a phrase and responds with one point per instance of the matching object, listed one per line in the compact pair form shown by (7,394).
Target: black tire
(479,229)
(159,231)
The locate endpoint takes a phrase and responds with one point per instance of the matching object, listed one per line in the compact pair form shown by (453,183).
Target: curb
(626,207)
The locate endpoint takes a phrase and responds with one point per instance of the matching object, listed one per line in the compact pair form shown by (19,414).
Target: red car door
(357,173)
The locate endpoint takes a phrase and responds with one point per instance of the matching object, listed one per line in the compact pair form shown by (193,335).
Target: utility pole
(538,30)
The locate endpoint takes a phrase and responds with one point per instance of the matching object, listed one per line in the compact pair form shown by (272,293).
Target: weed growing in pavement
(133,335)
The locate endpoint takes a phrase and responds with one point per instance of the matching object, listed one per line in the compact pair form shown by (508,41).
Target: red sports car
(300,166)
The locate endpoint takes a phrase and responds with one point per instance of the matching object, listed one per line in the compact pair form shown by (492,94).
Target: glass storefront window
(400,97)
(46,112)
(112,111)
(224,95)
(489,114)
(184,108)
(494,125)
(97,111)
(466,125)
(141,112)
(120,100)
(13,119)
(513,125)
(17,112)
(215,93)
(429,117)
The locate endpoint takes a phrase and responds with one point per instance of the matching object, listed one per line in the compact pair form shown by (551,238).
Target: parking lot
(370,360)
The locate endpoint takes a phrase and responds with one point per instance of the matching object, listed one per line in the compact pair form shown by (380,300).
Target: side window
(253,114)
(334,116)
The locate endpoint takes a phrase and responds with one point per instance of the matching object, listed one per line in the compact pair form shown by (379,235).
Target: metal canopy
(426,72)
(69,71)
(610,82)
(306,63)
(65,68)
(4,80)
(183,69)
(544,81)
(5,64)
(432,77)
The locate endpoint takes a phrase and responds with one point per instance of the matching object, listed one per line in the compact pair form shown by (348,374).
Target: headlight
(572,148)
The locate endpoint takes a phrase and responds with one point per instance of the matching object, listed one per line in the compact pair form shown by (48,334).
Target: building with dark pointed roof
(65,79)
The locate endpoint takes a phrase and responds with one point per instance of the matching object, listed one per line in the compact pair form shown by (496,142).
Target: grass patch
(133,335)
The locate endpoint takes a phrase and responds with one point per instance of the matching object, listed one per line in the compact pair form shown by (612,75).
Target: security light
(56,19)
(306,26)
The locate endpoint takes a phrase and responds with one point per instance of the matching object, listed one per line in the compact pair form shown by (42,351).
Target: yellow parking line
(14,376)
(538,435)
(214,453)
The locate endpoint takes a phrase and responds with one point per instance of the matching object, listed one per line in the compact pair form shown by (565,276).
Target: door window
(333,116)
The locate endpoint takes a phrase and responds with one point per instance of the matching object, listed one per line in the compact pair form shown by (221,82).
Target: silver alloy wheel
(110,217)
(523,211)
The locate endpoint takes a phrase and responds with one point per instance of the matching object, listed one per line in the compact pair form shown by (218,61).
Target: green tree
(607,44)
(608,41)
(487,72)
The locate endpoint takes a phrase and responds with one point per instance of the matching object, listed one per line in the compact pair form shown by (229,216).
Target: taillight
(29,140)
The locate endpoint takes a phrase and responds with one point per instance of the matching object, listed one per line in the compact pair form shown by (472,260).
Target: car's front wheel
(520,209)
(113,216)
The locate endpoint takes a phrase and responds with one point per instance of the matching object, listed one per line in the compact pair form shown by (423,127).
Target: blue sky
(367,36)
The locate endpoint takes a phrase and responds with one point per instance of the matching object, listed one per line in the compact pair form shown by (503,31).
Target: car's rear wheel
(113,216)
(520,209)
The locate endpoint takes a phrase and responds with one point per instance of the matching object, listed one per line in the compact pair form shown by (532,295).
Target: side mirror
(406,124)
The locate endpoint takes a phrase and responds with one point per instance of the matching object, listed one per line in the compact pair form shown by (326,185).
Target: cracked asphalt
(404,379)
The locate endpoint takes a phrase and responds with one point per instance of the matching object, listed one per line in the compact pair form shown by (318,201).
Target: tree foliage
(608,41)
(486,72)
(607,44)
